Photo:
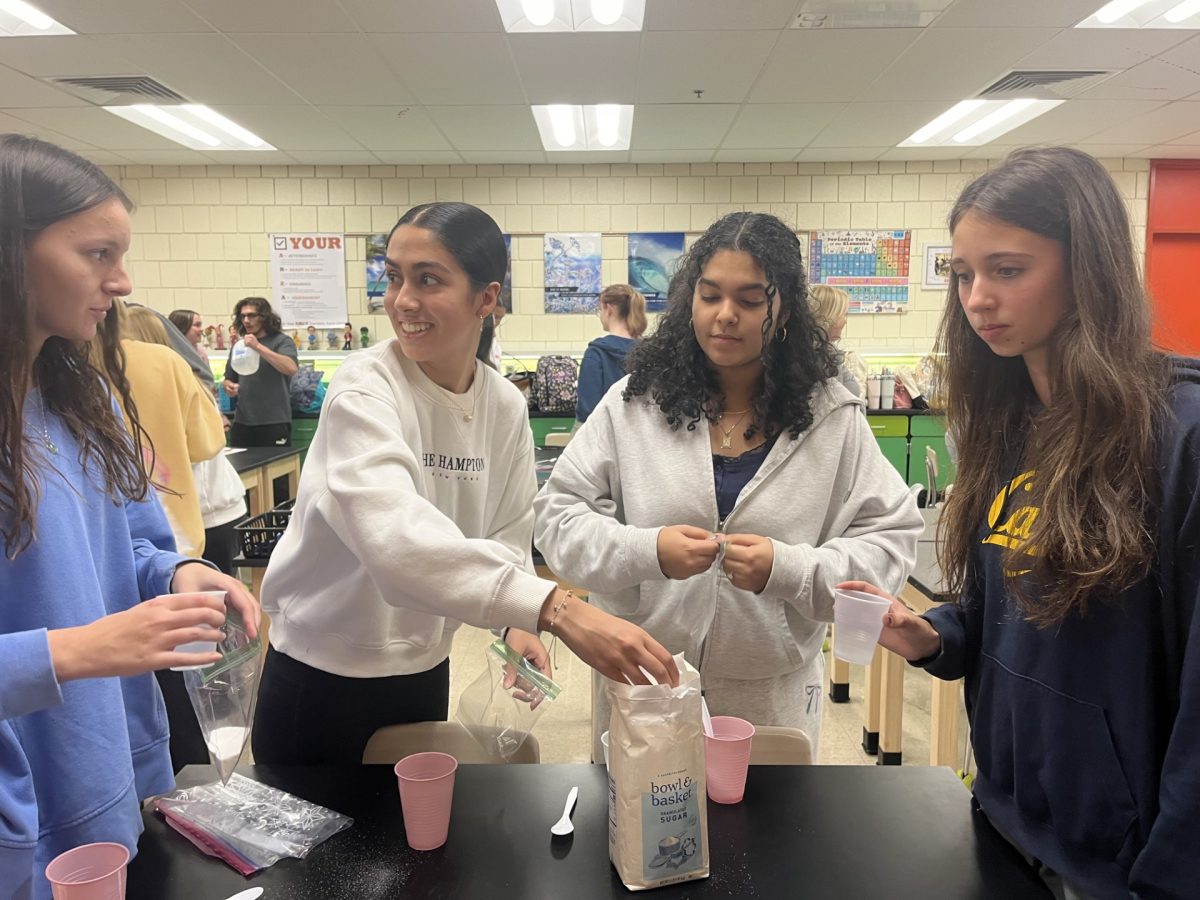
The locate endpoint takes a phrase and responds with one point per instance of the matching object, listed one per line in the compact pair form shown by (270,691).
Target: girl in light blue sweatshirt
(83,733)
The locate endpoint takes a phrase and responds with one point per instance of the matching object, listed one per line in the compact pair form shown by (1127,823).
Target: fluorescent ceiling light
(539,12)
(992,119)
(975,122)
(192,125)
(606,126)
(571,15)
(1117,9)
(1144,14)
(945,120)
(20,19)
(1184,10)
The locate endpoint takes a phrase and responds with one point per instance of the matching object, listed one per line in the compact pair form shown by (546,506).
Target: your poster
(308,274)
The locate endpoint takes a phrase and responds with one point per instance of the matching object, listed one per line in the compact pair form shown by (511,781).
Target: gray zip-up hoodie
(833,506)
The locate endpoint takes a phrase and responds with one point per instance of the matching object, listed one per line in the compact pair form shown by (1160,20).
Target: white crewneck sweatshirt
(409,520)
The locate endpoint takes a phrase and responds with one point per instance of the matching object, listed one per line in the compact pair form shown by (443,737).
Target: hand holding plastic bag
(502,705)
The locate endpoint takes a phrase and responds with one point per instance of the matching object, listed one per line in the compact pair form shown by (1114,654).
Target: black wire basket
(259,534)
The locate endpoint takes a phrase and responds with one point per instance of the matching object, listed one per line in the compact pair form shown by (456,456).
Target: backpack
(554,385)
(304,388)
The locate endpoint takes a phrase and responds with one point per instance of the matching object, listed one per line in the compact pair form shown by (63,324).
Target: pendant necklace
(46,441)
(727,434)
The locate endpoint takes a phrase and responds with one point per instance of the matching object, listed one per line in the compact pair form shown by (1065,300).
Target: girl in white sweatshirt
(414,514)
(731,424)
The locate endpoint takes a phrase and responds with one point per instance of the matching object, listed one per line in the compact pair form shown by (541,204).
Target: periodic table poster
(872,266)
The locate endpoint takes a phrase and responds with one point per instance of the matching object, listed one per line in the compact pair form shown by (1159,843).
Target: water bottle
(243,359)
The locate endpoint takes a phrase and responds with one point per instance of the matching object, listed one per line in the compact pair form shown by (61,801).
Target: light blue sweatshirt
(76,758)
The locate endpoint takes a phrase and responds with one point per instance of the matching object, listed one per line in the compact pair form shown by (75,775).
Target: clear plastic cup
(426,795)
(90,872)
(857,622)
(197,646)
(604,745)
(727,758)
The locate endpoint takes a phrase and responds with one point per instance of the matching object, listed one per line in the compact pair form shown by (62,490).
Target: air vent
(1046,84)
(110,90)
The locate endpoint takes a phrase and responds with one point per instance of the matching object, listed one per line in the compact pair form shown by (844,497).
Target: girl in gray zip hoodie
(717,494)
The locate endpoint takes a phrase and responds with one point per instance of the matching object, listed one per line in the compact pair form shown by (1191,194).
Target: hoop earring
(781,334)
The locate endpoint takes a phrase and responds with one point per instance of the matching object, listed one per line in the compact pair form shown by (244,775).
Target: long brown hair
(41,184)
(1093,448)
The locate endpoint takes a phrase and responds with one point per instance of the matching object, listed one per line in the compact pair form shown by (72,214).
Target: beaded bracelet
(557,609)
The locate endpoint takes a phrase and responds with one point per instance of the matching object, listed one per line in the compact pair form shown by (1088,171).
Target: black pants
(221,547)
(279,435)
(309,717)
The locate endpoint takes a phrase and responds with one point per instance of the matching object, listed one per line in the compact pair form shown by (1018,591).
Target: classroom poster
(653,257)
(872,266)
(572,268)
(376,282)
(308,274)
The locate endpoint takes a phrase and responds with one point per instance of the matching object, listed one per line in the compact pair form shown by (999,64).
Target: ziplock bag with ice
(223,695)
(502,705)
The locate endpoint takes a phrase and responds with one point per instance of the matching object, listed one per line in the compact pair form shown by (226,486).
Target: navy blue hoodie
(1087,735)
(603,366)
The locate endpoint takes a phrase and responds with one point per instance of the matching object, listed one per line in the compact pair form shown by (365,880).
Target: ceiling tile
(1101,48)
(336,158)
(106,157)
(1108,151)
(1030,13)
(14,123)
(793,125)
(1076,120)
(498,157)
(101,129)
(670,156)
(418,157)
(484,127)
(383,128)
(125,17)
(1151,80)
(953,63)
(452,69)
(274,16)
(539,60)
(724,65)
(450,16)
(292,127)
(876,124)
(569,157)
(1159,126)
(717,15)
(680,126)
(839,154)
(1172,151)
(803,61)
(64,56)
(19,90)
(772,154)
(181,157)
(350,69)
(905,153)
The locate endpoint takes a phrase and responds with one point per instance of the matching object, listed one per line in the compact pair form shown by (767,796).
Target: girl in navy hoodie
(83,736)
(1070,537)
(623,315)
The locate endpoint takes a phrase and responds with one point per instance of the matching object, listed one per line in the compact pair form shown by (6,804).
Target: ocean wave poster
(652,260)
(572,262)
(376,283)
(506,287)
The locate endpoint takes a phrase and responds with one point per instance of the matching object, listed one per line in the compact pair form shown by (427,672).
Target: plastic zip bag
(502,705)
(223,695)
(247,824)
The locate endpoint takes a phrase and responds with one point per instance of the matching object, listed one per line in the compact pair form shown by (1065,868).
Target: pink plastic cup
(726,758)
(90,872)
(426,792)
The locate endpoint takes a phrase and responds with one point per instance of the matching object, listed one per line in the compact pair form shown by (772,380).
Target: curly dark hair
(270,319)
(673,370)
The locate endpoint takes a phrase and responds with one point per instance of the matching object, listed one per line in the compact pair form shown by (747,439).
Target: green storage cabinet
(929,431)
(544,425)
(891,433)
(302,434)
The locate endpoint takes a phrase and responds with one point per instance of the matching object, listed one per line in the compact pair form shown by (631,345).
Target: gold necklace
(727,439)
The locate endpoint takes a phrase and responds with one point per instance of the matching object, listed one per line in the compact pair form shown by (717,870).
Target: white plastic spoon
(251,894)
(707,719)
(563,826)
